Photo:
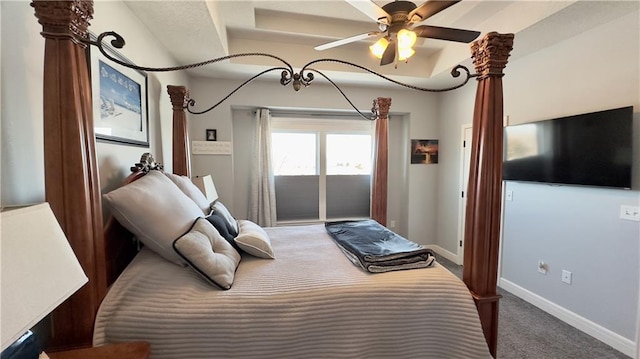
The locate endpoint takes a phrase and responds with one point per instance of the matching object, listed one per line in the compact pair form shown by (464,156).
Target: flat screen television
(591,149)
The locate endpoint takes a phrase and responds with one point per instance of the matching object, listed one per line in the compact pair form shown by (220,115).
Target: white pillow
(221,209)
(192,191)
(155,211)
(254,240)
(204,249)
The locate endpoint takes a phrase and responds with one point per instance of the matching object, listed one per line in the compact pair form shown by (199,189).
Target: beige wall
(22,67)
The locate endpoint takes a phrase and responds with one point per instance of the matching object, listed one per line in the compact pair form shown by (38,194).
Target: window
(322,168)
(294,154)
(348,154)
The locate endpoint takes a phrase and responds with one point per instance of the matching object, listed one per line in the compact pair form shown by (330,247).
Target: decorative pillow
(254,240)
(223,227)
(220,208)
(208,253)
(155,211)
(192,191)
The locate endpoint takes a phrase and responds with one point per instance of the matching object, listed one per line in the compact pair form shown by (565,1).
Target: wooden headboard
(73,190)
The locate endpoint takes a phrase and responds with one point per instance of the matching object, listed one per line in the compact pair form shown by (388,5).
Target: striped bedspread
(310,302)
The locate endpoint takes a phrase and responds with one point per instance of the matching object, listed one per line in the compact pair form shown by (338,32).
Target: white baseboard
(605,335)
(443,252)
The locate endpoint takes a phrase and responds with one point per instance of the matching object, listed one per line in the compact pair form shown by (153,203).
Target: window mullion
(322,193)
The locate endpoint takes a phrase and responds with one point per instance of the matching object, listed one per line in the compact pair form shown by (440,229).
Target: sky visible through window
(293,154)
(348,154)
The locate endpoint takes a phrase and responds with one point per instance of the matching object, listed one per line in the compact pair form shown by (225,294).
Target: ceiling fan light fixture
(398,33)
(405,54)
(378,48)
(406,38)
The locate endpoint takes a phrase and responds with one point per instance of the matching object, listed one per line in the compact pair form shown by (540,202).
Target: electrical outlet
(509,195)
(631,213)
(542,267)
(392,223)
(566,276)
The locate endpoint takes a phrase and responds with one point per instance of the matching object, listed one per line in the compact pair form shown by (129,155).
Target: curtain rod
(313,113)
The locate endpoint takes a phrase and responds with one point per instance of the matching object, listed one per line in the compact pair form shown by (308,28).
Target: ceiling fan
(397,32)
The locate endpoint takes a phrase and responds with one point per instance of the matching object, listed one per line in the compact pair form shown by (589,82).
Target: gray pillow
(204,249)
(222,227)
(155,211)
(254,240)
(222,209)
(192,191)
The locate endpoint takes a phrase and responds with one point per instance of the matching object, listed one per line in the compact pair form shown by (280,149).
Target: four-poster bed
(73,191)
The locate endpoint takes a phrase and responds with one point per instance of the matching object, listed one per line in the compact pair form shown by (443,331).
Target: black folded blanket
(377,249)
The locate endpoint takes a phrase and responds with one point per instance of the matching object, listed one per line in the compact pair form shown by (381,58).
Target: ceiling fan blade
(429,8)
(389,54)
(371,9)
(346,40)
(446,33)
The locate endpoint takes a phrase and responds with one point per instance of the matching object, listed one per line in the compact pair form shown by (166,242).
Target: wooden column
(482,229)
(381,165)
(71,173)
(181,158)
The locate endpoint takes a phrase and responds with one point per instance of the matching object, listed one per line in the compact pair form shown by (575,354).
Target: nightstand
(132,350)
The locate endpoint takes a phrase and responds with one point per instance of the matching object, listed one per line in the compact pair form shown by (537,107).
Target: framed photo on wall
(212,135)
(424,151)
(119,96)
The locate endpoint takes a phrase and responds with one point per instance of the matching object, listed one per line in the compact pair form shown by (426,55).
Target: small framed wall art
(424,151)
(212,135)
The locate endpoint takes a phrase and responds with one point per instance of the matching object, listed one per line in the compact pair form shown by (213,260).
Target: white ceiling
(195,31)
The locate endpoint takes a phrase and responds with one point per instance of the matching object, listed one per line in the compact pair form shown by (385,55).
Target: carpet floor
(527,332)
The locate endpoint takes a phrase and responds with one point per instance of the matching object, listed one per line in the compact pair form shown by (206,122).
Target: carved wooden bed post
(71,174)
(379,187)
(482,230)
(179,98)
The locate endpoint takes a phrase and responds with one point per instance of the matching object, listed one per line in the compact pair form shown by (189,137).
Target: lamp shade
(404,54)
(406,38)
(205,183)
(378,48)
(39,268)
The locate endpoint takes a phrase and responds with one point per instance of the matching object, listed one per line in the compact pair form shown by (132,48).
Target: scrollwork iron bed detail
(298,80)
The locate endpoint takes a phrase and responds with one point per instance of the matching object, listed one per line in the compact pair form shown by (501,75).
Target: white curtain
(262,199)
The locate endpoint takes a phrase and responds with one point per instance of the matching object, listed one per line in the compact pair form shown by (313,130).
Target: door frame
(462,199)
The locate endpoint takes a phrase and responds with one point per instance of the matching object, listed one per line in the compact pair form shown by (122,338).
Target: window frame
(321,128)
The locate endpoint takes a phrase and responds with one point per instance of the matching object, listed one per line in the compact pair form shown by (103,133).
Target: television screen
(592,149)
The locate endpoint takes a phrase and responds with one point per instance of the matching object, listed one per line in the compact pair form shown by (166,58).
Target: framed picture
(212,135)
(424,151)
(119,100)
